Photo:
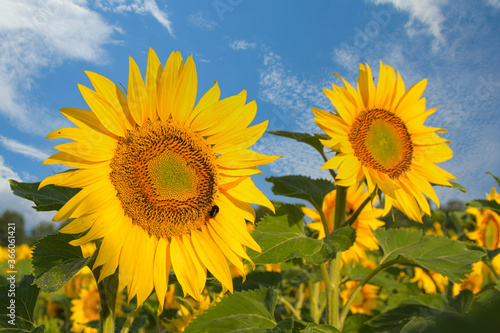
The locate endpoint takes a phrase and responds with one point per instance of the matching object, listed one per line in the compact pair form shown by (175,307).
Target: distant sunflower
(487,231)
(165,183)
(86,308)
(365,301)
(364,224)
(381,139)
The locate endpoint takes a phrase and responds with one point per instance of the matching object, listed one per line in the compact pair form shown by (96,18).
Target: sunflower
(86,308)
(364,224)
(430,282)
(164,183)
(381,139)
(365,300)
(487,231)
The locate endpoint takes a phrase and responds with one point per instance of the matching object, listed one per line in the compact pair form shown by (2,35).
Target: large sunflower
(165,184)
(380,138)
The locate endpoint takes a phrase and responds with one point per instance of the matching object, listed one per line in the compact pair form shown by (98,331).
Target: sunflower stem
(333,304)
(108,289)
(130,320)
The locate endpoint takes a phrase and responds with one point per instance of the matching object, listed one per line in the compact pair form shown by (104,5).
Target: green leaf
(417,325)
(494,177)
(284,326)
(355,323)
(55,261)
(256,280)
(458,187)
(312,140)
(248,311)
(281,237)
(438,254)
(302,187)
(17,306)
(315,328)
(394,320)
(48,198)
(484,204)
(463,301)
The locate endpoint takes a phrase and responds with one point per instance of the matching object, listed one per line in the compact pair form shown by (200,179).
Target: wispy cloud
(422,12)
(494,3)
(142,7)
(292,96)
(199,21)
(242,45)
(291,99)
(23,149)
(41,34)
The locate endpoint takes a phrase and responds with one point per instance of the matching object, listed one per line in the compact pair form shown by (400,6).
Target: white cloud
(242,45)
(293,97)
(23,149)
(494,3)
(141,7)
(199,21)
(427,12)
(36,34)
(11,202)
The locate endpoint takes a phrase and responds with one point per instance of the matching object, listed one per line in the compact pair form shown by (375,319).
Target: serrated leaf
(247,311)
(438,254)
(354,323)
(494,177)
(484,204)
(23,298)
(48,198)
(312,140)
(55,261)
(302,187)
(281,237)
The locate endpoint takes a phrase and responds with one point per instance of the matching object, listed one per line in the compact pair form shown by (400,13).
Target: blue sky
(282,52)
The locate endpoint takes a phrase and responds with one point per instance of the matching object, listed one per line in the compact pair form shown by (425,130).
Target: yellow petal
(185,96)
(114,96)
(161,272)
(241,139)
(137,95)
(244,159)
(210,97)
(153,76)
(104,111)
(246,191)
(168,85)
(86,119)
(212,257)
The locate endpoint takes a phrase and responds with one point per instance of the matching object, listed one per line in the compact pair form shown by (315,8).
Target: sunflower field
(164,230)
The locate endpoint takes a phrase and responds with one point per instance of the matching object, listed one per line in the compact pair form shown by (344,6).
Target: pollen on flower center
(381,141)
(166,178)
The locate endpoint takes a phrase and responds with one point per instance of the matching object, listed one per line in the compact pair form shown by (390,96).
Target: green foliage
(247,311)
(485,204)
(17,306)
(48,198)
(282,237)
(438,254)
(301,187)
(55,261)
(311,140)
(18,220)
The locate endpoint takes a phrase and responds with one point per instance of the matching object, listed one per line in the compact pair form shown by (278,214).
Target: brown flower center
(381,141)
(166,178)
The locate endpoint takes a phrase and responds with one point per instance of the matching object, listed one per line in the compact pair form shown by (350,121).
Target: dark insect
(131,139)
(214,211)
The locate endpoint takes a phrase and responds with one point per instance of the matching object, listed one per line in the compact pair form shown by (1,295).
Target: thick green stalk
(130,320)
(108,289)
(333,304)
